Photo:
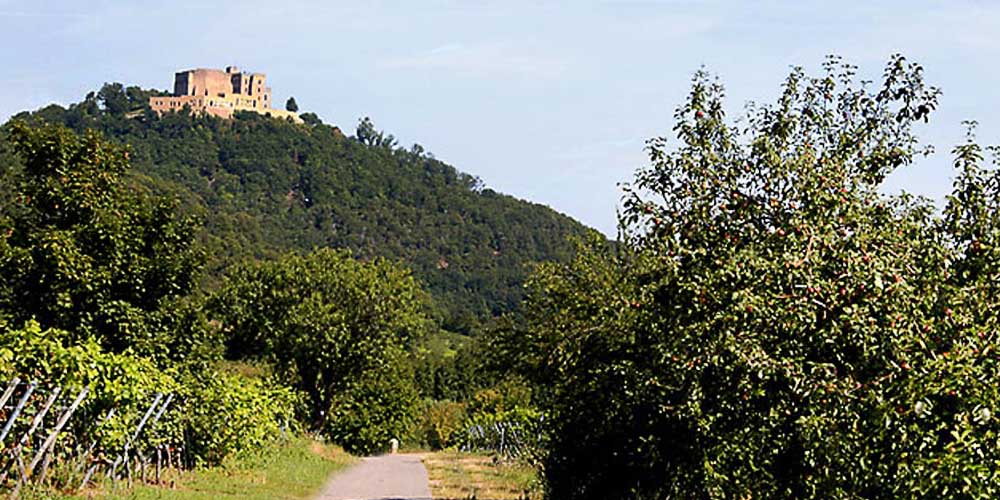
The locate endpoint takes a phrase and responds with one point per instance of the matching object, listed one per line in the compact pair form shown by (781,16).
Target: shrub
(215,415)
(441,423)
(502,419)
(370,412)
(227,415)
(330,324)
(509,394)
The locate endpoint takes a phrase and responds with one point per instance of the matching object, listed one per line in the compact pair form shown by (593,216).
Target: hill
(264,187)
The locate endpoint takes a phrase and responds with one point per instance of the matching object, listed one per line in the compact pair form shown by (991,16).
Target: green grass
(294,470)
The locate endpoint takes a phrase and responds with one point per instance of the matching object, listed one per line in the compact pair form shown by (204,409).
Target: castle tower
(220,93)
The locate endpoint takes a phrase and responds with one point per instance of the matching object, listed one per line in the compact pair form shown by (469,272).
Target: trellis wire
(507,439)
(25,415)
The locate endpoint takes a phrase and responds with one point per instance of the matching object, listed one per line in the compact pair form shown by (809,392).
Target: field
(466,476)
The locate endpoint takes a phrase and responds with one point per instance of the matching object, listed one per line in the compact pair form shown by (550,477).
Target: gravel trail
(388,477)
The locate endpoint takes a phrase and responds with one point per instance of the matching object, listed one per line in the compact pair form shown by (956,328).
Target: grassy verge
(462,476)
(293,470)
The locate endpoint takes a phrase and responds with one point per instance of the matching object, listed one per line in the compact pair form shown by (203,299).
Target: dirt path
(389,477)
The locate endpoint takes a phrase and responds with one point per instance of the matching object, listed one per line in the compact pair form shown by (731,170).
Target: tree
(369,135)
(330,322)
(82,251)
(773,326)
(374,409)
(113,99)
(311,119)
(291,105)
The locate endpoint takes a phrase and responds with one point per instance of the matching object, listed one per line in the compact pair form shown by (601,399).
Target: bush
(215,415)
(372,411)
(502,419)
(227,415)
(509,394)
(441,424)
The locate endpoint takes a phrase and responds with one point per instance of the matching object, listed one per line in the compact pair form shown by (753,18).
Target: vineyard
(76,447)
(65,438)
(508,440)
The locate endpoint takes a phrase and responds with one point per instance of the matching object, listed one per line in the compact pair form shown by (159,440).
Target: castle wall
(220,93)
(209,82)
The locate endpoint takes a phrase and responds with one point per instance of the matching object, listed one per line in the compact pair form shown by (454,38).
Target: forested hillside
(263,187)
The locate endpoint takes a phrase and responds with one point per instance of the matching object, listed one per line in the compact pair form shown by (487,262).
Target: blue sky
(548,101)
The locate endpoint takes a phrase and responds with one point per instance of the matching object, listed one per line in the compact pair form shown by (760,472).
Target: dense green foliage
(338,328)
(774,326)
(95,279)
(214,415)
(265,187)
(449,366)
(441,423)
(373,410)
(82,252)
(108,260)
(118,381)
(234,416)
(445,423)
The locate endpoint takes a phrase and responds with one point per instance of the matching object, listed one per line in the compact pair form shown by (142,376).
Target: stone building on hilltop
(220,93)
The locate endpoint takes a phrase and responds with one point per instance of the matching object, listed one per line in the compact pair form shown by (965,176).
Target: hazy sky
(548,101)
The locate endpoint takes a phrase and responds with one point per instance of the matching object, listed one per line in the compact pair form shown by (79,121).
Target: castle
(220,93)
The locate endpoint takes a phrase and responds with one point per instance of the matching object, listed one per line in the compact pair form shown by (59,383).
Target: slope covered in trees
(264,187)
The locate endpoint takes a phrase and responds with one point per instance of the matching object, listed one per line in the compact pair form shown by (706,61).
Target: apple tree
(773,325)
